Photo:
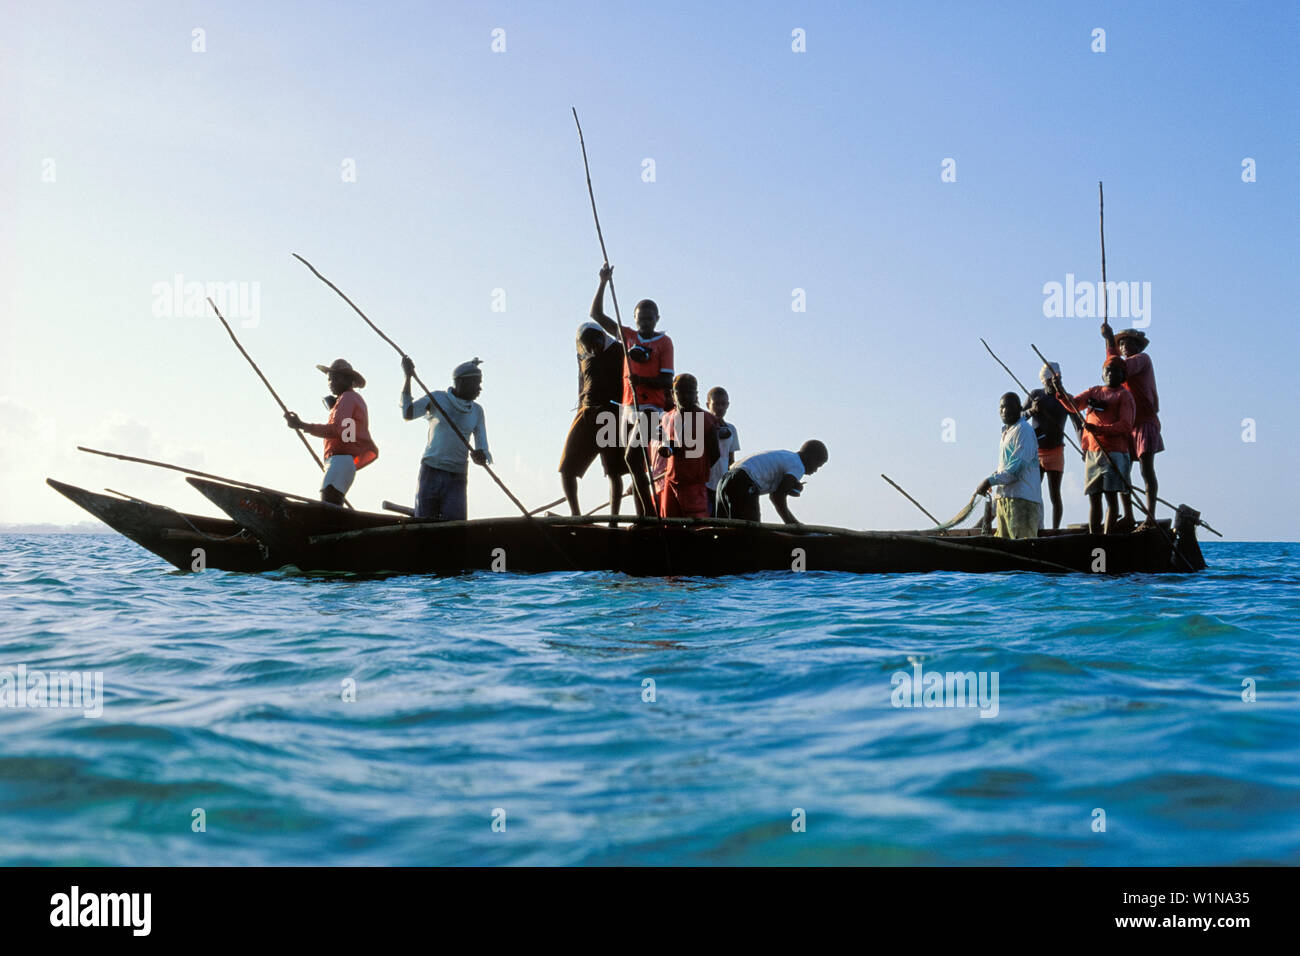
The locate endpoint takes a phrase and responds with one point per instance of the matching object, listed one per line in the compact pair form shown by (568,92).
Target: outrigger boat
(322,537)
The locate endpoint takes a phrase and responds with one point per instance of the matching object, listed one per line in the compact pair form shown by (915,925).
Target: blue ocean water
(522,700)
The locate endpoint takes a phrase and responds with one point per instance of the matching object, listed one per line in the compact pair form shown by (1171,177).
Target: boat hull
(286,525)
(714,548)
(185,541)
(328,538)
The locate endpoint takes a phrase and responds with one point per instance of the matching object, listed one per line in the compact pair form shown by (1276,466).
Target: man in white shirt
(728,441)
(1016,485)
(776,474)
(444,466)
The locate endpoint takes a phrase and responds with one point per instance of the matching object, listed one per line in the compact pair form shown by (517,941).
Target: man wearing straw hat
(1140,381)
(348,445)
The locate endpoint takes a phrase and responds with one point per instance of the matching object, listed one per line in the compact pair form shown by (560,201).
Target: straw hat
(343,365)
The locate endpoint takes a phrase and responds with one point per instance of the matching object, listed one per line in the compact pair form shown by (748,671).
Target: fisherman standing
(1107,442)
(1048,416)
(776,474)
(647,384)
(690,447)
(348,446)
(441,491)
(595,429)
(1019,497)
(728,444)
(1140,380)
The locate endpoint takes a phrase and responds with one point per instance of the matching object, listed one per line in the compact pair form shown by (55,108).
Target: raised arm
(1108,334)
(598,304)
(411,409)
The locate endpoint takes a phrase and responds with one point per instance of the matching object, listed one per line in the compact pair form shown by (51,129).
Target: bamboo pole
(301,437)
(911,499)
(197,474)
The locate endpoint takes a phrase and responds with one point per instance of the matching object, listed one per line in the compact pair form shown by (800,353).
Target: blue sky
(774,171)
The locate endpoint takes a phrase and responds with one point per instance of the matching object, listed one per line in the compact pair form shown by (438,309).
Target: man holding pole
(1140,381)
(442,488)
(348,446)
(1107,442)
(647,384)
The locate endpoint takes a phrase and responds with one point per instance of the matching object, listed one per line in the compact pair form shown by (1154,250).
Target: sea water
(776,718)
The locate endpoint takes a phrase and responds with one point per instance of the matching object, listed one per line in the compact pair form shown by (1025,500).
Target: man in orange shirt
(1107,442)
(647,384)
(348,445)
(690,447)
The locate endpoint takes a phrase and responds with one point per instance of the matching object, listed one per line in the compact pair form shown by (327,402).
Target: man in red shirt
(647,384)
(1141,384)
(690,446)
(348,445)
(1107,442)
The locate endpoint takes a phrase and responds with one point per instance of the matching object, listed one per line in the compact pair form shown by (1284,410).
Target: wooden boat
(329,538)
(175,536)
(286,525)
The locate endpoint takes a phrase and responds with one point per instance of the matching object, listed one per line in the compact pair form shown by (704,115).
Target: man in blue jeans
(444,466)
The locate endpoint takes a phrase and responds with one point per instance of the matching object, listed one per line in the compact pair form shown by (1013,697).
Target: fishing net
(959,517)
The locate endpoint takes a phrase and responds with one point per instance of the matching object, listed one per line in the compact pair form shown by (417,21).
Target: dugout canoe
(185,541)
(328,538)
(286,525)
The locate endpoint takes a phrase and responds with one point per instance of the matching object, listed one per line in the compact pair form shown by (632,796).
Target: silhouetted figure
(776,474)
(648,376)
(348,445)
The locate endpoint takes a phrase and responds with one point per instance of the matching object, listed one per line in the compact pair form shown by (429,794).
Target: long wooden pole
(197,474)
(911,499)
(301,437)
(428,393)
(618,316)
(651,506)
(1105,291)
(1004,365)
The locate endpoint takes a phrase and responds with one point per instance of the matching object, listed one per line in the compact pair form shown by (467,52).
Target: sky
(921,172)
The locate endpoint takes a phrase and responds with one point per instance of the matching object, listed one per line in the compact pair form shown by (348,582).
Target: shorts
(1052,459)
(649,431)
(594,432)
(1018,518)
(738,496)
(1098,477)
(1146,438)
(640,442)
(441,494)
(340,472)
